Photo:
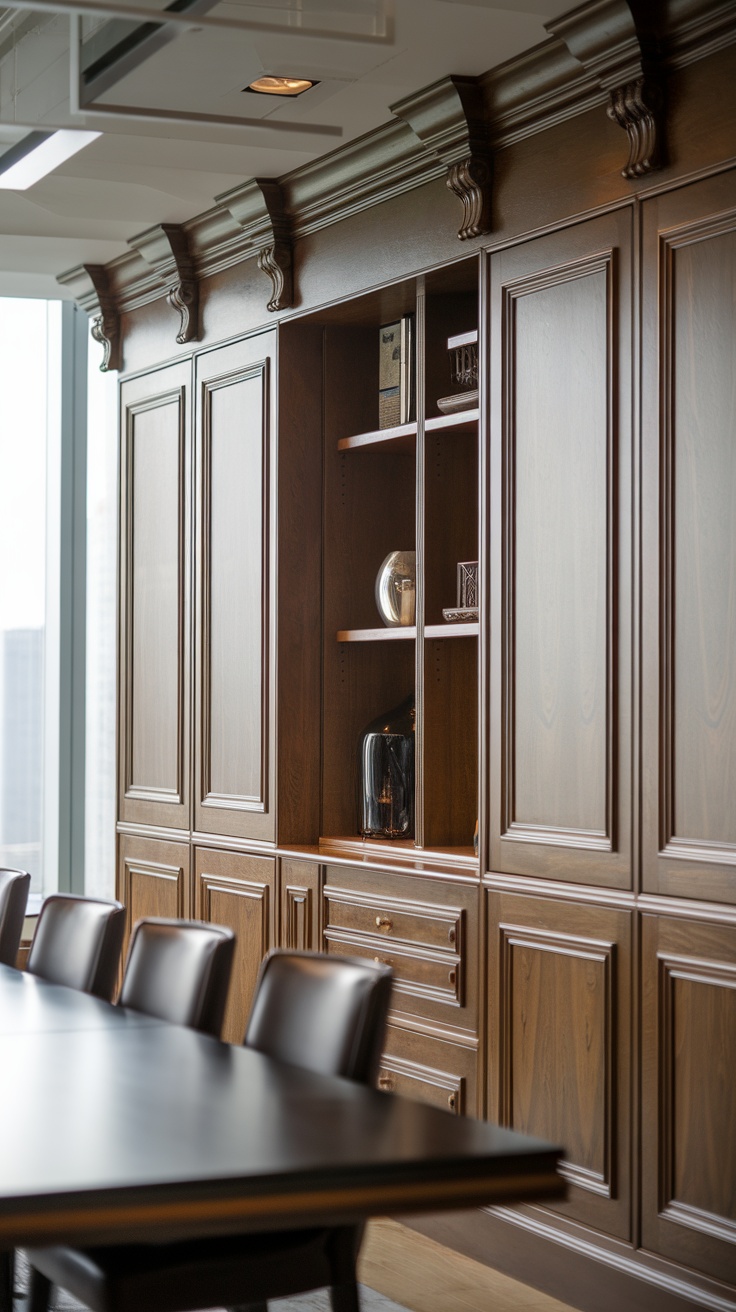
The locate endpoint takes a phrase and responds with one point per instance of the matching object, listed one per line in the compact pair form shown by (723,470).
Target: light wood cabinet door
(689,542)
(559,1043)
(237,890)
(234,756)
(559,748)
(153,733)
(688,1116)
(153,879)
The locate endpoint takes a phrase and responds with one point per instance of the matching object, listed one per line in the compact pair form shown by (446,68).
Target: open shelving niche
(412,487)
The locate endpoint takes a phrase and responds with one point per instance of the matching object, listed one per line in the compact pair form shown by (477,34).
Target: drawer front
(433,976)
(395,919)
(430,1070)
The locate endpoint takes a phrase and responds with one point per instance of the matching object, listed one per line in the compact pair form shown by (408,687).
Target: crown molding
(607,54)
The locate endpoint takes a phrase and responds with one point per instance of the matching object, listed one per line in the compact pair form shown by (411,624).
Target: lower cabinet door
(238,890)
(689,1095)
(559,1043)
(300,882)
(153,879)
(429,1069)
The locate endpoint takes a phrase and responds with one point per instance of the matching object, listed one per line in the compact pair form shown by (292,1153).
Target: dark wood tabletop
(114,1124)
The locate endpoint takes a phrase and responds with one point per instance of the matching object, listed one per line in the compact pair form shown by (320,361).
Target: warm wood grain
(689,1182)
(239,891)
(153,732)
(153,879)
(234,591)
(560,1029)
(690,542)
(300,905)
(560,473)
(430,1070)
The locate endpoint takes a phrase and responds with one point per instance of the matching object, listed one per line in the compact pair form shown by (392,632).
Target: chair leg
(39,1292)
(345,1298)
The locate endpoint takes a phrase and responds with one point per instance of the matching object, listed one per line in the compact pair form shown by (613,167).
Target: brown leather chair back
(179,971)
(77,943)
(14,886)
(327,1014)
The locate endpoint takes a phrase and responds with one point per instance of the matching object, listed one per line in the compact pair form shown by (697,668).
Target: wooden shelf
(400,851)
(464,421)
(448,630)
(401,631)
(400,439)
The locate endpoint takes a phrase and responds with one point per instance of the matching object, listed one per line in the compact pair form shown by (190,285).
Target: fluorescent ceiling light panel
(38,154)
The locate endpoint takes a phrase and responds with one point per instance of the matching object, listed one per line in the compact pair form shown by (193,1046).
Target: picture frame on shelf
(396,373)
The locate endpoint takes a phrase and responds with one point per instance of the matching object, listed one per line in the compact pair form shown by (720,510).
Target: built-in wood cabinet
(574,976)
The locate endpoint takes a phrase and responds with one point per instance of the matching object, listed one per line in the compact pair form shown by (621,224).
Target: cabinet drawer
(423,974)
(430,1070)
(395,919)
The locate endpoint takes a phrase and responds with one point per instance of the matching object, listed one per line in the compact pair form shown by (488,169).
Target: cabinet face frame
(677,225)
(141,803)
(595,253)
(233,815)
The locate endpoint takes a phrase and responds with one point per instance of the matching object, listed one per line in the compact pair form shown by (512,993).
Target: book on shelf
(396,373)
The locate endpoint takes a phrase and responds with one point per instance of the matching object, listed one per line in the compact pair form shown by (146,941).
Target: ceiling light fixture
(38,154)
(280,86)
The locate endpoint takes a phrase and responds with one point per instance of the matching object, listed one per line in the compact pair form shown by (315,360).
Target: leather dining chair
(77,943)
(327,1014)
(14,888)
(179,971)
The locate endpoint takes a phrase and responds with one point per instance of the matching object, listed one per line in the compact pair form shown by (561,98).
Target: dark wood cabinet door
(153,733)
(689,542)
(238,890)
(431,1070)
(560,541)
(153,879)
(689,1104)
(234,602)
(559,1015)
(300,905)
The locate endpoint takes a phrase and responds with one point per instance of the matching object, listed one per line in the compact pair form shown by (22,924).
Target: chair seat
(185,1276)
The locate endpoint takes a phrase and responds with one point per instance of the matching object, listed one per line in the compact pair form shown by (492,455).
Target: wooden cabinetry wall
(578,978)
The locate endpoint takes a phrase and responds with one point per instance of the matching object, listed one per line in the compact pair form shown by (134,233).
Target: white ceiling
(140,173)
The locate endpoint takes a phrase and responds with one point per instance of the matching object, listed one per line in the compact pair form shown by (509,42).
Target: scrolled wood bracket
(91,288)
(635,106)
(617,44)
(449,119)
(259,207)
(166,251)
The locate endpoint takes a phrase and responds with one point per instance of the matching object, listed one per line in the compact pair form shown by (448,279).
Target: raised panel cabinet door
(560,548)
(559,1015)
(688,1103)
(300,903)
(234,607)
(238,890)
(153,704)
(153,879)
(689,541)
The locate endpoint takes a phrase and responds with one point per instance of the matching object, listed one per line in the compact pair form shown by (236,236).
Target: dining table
(119,1127)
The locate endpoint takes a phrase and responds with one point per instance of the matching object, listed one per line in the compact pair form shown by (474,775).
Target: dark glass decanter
(386,775)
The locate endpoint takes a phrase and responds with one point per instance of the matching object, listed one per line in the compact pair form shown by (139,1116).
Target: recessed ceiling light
(280,86)
(38,154)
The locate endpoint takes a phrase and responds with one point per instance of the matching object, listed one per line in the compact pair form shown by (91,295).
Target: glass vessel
(386,775)
(396,590)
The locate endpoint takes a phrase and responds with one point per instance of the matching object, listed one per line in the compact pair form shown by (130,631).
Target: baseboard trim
(572,1268)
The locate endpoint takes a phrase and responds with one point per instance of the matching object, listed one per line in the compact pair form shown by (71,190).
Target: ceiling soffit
(600,55)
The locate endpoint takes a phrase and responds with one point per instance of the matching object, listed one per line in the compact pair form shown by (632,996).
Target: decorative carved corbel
(165,250)
(90,286)
(450,121)
(260,209)
(616,43)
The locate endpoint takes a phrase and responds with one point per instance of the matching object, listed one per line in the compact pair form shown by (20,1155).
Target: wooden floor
(426,1277)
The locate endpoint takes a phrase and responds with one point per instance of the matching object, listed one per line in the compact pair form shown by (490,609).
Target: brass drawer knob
(452,976)
(384,922)
(452,1101)
(385,1081)
(383,961)
(451,935)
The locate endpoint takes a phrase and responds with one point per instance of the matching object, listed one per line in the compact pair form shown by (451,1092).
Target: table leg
(6,1281)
